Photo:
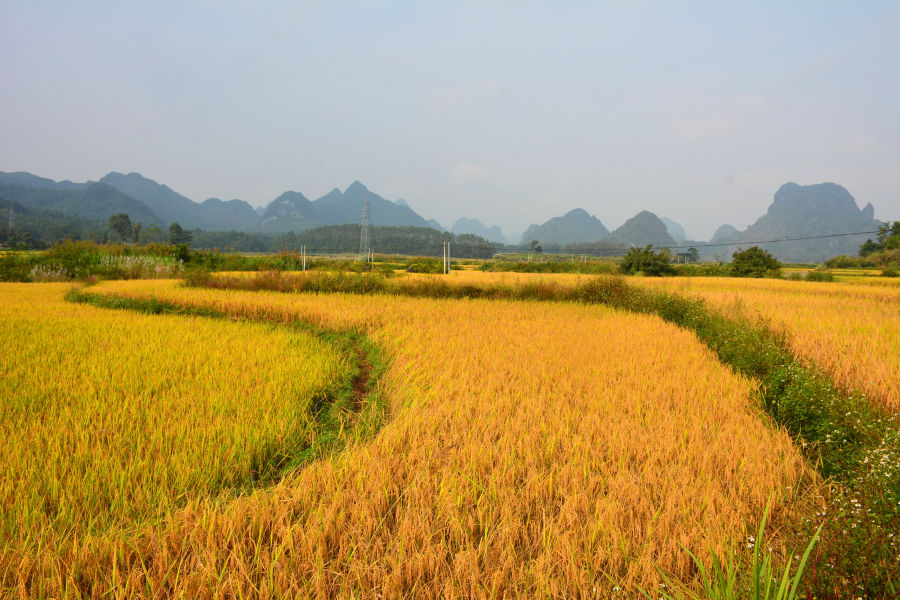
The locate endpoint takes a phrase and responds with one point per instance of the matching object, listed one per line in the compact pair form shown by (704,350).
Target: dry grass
(535,449)
(111,419)
(851,331)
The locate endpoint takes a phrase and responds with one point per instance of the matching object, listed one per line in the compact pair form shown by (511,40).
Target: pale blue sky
(511,113)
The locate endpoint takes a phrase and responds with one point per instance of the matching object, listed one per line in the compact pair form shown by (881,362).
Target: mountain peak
(724,233)
(642,229)
(578,213)
(574,227)
(821,209)
(355,188)
(476,227)
(820,196)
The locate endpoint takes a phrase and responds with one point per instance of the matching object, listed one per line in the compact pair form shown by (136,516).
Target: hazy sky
(511,113)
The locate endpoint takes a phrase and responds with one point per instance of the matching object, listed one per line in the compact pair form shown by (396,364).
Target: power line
(786,239)
(611,250)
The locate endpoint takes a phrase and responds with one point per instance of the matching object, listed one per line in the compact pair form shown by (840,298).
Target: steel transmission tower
(364,242)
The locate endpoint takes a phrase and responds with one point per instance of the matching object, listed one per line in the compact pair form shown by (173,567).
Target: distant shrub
(645,261)
(708,270)
(890,273)
(842,262)
(819,276)
(591,267)
(432,266)
(755,262)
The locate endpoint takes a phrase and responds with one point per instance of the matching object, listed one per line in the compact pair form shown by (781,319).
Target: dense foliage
(754,262)
(646,261)
(340,239)
(843,261)
(886,251)
(36,228)
(593,267)
(177,235)
(82,259)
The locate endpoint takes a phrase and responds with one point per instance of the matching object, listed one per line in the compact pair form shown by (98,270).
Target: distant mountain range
(796,212)
(147,201)
(474,226)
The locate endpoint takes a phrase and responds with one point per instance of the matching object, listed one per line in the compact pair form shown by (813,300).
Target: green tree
(121,225)
(753,262)
(693,255)
(154,233)
(136,231)
(647,262)
(177,235)
(887,231)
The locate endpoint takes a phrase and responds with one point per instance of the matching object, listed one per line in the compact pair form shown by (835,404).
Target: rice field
(110,420)
(851,331)
(532,449)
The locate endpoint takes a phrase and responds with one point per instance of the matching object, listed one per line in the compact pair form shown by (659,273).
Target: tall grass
(759,580)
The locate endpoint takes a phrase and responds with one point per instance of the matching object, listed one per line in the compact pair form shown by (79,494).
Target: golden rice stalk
(536,449)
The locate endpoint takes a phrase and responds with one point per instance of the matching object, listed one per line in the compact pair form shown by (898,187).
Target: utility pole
(12,223)
(364,233)
(282,241)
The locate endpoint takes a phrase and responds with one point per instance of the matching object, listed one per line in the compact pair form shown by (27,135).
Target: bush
(708,270)
(842,262)
(755,262)
(890,273)
(819,276)
(849,262)
(645,261)
(591,267)
(434,266)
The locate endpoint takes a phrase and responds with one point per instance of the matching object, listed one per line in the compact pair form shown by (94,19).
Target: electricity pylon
(364,242)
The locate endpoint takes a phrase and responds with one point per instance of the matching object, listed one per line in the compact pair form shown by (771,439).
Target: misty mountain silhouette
(642,229)
(574,227)
(476,227)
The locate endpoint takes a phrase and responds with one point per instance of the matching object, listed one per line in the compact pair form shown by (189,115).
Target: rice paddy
(111,420)
(851,331)
(552,449)
(532,449)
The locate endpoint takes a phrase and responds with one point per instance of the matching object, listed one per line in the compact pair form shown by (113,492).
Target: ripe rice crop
(851,331)
(110,419)
(534,449)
